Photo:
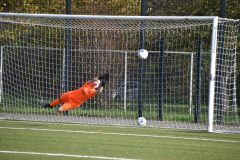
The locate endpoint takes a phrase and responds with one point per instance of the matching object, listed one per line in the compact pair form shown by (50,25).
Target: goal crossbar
(109,17)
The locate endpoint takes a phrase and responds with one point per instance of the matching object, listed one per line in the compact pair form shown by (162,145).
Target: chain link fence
(132,7)
(125,7)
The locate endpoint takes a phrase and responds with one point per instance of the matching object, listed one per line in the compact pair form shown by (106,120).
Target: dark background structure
(223,8)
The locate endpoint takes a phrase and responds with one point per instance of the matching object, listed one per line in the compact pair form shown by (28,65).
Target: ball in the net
(143,54)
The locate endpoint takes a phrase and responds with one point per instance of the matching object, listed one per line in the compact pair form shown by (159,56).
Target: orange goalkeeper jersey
(79,96)
(73,99)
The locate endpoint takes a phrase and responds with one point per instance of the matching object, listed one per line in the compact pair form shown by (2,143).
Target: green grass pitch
(21,140)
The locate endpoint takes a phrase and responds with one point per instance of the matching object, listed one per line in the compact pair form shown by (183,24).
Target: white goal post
(188,80)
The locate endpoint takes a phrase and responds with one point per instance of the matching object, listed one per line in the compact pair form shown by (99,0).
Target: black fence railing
(223,8)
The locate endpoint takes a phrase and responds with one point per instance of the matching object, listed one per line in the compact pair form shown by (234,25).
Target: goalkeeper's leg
(65,107)
(63,99)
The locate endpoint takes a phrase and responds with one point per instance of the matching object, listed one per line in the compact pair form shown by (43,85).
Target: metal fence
(223,8)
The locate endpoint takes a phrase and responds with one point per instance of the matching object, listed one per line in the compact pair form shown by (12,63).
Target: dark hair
(104,78)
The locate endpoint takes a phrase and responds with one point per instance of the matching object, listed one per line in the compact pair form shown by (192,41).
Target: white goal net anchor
(189,78)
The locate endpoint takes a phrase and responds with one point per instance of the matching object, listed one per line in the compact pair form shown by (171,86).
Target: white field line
(124,134)
(64,155)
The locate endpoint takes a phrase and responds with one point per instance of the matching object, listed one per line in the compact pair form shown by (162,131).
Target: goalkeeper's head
(104,78)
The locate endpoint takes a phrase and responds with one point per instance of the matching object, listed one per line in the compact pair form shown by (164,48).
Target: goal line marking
(123,134)
(64,155)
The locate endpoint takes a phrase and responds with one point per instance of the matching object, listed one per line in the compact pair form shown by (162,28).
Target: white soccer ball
(142,121)
(143,54)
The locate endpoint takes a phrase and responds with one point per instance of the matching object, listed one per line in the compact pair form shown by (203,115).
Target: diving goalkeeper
(73,99)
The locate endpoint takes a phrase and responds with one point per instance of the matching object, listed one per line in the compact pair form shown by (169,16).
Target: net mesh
(44,57)
(226,109)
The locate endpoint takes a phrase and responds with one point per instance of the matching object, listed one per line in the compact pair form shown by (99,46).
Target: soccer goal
(188,80)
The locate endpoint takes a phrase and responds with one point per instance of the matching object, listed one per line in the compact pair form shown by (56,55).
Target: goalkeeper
(73,99)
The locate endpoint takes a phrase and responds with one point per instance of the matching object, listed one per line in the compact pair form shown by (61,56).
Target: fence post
(197,109)
(141,64)
(67,51)
(1,74)
(222,8)
(161,79)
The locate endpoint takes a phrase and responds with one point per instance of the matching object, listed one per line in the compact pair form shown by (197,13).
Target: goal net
(188,80)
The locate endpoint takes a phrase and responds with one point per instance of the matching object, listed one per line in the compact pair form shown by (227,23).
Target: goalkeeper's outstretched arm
(99,90)
(104,78)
